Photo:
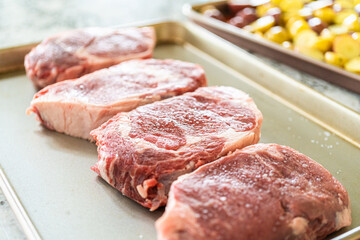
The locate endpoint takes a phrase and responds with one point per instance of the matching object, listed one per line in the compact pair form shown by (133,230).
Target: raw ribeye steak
(264,191)
(75,107)
(143,151)
(72,54)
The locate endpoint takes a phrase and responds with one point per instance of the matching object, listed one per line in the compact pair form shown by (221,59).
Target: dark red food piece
(214,13)
(237,5)
(316,24)
(264,191)
(248,14)
(74,53)
(76,107)
(143,151)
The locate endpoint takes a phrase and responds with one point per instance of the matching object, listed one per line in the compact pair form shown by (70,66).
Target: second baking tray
(47,178)
(246,40)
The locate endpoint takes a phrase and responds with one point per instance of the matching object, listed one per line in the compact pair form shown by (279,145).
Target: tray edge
(21,215)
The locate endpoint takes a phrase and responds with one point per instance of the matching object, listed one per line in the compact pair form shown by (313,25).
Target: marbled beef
(143,151)
(264,191)
(74,53)
(75,107)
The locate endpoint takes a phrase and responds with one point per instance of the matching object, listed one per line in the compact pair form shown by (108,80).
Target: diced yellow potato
(306,38)
(311,52)
(352,23)
(338,29)
(327,34)
(290,5)
(263,24)
(262,9)
(277,34)
(340,17)
(297,27)
(322,44)
(344,4)
(334,59)
(287,45)
(325,14)
(346,46)
(356,36)
(291,20)
(306,12)
(353,65)
(276,2)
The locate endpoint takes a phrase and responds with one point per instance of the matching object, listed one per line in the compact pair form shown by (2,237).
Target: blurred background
(26,21)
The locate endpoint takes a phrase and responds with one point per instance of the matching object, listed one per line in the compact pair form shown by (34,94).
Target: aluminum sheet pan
(269,49)
(47,178)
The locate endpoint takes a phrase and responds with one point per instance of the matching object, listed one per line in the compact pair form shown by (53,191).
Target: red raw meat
(143,151)
(72,54)
(75,107)
(264,191)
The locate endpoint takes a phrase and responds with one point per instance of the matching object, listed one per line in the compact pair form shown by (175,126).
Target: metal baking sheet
(46,175)
(272,50)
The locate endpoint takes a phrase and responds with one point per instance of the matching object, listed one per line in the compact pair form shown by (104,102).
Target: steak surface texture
(263,191)
(75,107)
(74,53)
(143,151)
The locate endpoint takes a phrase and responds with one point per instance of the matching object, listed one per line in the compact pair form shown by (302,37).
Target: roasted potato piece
(287,45)
(334,59)
(341,16)
(262,9)
(297,27)
(357,8)
(315,5)
(291,20)
(352,23)
(325,14)
(291,5)
(344,4)
(306,13)
(306,38)
(327,34)
(311,52)
(353,65)
(338,29)
(356,36)
(277,34)
(322,44)
(346,46)
(263,24)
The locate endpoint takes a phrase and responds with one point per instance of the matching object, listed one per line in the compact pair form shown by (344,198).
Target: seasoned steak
(264,191)
(143,151)
(75,107)
(72,54)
